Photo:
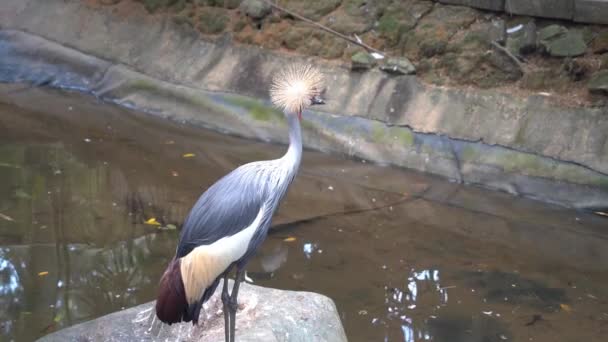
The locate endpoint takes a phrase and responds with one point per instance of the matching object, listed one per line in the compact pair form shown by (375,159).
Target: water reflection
(9,278)
(436,267)
(420,286)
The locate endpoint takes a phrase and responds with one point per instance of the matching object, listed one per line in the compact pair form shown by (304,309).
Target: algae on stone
(257,110)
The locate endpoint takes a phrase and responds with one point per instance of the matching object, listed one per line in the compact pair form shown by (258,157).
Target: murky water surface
(406,257)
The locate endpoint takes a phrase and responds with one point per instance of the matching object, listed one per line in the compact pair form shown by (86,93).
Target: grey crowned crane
(231,219)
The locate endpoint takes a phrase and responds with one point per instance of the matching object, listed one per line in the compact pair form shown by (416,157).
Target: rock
(354,16)
(559,9)
(523,41)
(310,41)
(264,315)
(399,18)
(599,82)
(256,9)
(575,68)
(604,61)
(435,29)
(398,66)
(362,61)
(570,44)
(536,79)
(493,5)
(497,31)
(314,10)
(345,23)
(591,11)
(212,20)
(600,43)
(551,32)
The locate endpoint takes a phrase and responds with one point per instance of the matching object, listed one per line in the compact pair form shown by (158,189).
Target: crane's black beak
(317,100)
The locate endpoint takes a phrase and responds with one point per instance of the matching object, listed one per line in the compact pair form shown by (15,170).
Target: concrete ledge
(582,11)
(558,9)
(591,11)
(492,5)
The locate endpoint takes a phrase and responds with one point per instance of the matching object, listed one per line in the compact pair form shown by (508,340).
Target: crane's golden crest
(294,87)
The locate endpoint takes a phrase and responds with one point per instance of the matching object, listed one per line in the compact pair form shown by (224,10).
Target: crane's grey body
(234,202)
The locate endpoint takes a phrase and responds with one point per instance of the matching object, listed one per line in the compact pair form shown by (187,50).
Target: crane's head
(297,87)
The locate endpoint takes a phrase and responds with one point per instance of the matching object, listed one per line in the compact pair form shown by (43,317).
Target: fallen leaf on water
(42,274)
(152,222)
(6,217)
(290,239)
(58,318)
(188,155)
(19,193)
(565,307)
(168,227)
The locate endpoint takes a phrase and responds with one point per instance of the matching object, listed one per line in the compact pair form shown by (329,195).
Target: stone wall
(582,11)
(525,146)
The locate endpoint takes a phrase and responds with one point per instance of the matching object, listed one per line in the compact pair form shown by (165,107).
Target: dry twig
(324,28)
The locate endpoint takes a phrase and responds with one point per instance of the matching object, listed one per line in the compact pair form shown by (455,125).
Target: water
(406,257)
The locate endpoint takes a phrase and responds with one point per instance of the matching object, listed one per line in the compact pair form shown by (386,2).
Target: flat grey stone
(591,11)
(398,66)
(559,9)
(570,44)
(524,41)
(264,315)
(599,82)
(493,5)
(256,9)
(551,32)
(362,61)
(497,31)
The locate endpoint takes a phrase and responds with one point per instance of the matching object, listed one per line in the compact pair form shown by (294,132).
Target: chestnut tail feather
(171,303)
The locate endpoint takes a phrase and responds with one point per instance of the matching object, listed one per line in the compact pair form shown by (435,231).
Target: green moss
(239,25)
(469,154)
(257,110)
(403,135)
(378,132)
(212,21)
(388,24)
(525,163)
(144,84)
(153,5)
(308,125)
(182,20)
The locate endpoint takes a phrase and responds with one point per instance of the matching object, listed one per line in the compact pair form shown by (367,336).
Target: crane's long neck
(292,158)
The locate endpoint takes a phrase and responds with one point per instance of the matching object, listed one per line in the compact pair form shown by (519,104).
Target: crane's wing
(227,207)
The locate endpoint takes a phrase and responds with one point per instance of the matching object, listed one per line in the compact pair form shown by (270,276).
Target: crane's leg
(226,302)
(234,305)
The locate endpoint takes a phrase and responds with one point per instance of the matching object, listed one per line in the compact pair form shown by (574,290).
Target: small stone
(398,66)
(523,41)
(571,44)
(498,31)
(604,61)
(599,82)
(600,43)
(256,9)
(575,68)
(551,32)
(362,61)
